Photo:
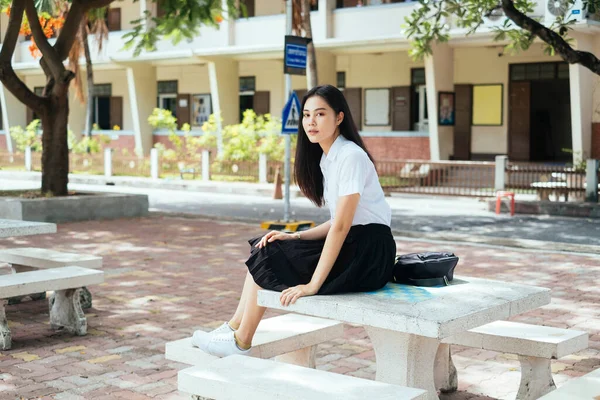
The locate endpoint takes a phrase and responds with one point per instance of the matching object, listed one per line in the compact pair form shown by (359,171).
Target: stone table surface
(12,228)
(406,323)
(435,312)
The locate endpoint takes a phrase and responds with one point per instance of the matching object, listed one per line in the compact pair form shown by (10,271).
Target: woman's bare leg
(251,316)
(236,320)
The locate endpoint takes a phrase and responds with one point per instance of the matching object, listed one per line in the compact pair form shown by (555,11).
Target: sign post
(295,54)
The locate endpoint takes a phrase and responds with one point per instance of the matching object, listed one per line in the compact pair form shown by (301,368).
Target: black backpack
(425,269)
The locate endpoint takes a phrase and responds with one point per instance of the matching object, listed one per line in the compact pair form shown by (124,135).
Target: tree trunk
(311,67)
(90,82)
(55,152)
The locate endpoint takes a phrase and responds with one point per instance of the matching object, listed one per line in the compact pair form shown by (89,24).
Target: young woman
(352,252)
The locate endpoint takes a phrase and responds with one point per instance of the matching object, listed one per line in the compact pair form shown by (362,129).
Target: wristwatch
(298,235)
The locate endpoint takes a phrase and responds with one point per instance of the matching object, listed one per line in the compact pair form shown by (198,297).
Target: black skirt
(365,262)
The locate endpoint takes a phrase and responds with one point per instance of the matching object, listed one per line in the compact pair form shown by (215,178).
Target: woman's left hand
(290,295)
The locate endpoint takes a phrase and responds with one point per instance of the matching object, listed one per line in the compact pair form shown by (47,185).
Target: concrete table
(407,323)
(12,228)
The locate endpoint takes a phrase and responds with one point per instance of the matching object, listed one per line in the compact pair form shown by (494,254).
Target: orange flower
(218,19)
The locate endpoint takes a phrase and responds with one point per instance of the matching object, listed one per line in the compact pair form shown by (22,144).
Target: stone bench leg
(304,357)
(66,312)
(16,268)
(5,337)
(444,370)
(536,378)
(405,359)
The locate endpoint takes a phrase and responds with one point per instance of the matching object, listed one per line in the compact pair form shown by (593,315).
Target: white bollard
(262,168)
(154,163)
(108,162)
(500,174)
(205,165)
(28,158)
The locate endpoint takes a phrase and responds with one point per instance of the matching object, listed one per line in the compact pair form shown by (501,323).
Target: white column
(262,168)
(154,174)
(325,17)
(223,76)
(27,158)
(205,165)
(108,162)
(439,76)
(582,93)
(500,172)
(14,113)
(141,83)
(228,24)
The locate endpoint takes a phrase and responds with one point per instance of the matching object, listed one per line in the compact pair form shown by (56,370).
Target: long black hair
(308,155)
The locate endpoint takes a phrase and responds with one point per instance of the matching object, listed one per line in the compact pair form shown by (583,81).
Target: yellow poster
(487,105)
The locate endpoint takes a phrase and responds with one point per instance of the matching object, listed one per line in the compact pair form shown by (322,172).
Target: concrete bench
(586,387)
(535,345)
(24,259)
(290,338)
(65,312)
(239,377)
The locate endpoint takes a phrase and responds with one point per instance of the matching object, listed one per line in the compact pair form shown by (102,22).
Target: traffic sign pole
(288,139)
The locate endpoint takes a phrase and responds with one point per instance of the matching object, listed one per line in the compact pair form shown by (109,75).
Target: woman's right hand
(272,236)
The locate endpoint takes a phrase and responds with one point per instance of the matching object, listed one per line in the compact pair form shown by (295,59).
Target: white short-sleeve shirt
(346,170)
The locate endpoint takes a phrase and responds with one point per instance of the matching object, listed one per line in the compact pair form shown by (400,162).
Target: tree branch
(53,63)
(12,31)
(18,88)
(69,31)
(71,27)
(559,44)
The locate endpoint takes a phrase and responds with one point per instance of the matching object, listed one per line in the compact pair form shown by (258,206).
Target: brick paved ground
(167,276)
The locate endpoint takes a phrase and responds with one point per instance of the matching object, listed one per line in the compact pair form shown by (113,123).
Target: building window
(417,76)
(539,71)
(341,79)
(167,96)
(101,111)
(38,90)
(247,90)
(247,84)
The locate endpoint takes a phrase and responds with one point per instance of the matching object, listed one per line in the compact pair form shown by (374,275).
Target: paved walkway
(167,276)
(460,219)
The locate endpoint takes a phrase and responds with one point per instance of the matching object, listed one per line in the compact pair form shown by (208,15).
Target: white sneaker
(222,345)
(200,337)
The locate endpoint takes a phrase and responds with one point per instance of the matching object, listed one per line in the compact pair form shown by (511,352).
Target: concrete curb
(257,189)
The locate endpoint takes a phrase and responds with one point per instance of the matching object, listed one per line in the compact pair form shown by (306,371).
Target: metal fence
(546,180)
(12,161)
(453,178)
(92,164)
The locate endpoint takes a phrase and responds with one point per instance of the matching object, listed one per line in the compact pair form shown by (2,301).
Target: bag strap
(428,282)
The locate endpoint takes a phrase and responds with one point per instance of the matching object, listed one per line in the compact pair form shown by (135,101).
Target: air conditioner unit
(495,18)
(570,11)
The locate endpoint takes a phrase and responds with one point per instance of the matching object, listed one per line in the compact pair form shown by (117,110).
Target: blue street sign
(295,56)
(291,115)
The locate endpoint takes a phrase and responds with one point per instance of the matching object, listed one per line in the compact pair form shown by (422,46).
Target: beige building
(468,101)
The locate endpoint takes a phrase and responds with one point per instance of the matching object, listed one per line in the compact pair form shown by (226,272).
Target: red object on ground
(500,195)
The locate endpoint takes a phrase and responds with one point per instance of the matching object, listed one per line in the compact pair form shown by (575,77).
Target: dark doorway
(246,103)
(539,112)
(550,121)
(102,112)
